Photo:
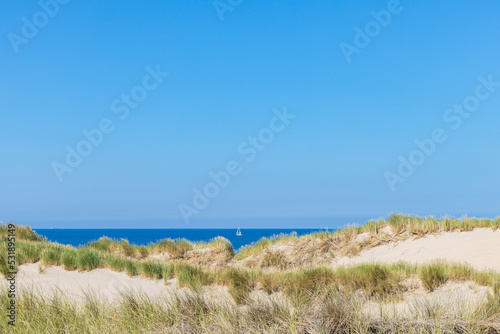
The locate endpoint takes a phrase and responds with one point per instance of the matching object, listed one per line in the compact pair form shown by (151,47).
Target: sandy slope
(102,282)
(479,248)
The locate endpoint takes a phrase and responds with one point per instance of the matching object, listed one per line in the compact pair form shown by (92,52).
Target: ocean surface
(78,237)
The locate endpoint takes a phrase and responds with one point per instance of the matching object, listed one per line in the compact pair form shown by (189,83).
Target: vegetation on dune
(153,269)
(433,275)
(265,243)
(131,267)
(349,241)
(32,251)
(120,255)
(340,242)
(88,259)
(51,255)
(191,276)
(22,232)
(314,298)
(175,249)
(333,311)
(374,279)
(69,258)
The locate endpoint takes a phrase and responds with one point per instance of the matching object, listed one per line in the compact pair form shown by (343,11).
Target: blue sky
(353,119)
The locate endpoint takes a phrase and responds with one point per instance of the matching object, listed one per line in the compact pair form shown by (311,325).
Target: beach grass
(152,269)
(264,243)
(131,267)
(88,259)
(433,275)
(191,276)
(51,255)
(69,258)
(332,311)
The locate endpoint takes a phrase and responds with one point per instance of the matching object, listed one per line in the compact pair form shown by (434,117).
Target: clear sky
(358,93)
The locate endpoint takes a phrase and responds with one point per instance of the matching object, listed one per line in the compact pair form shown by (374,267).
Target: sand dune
(480,248)
(101,282)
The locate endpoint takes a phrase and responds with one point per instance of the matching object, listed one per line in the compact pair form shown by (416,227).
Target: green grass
(88,259)
(310,280)
(69,258)
(116,263)
(104,244)
(375,279)
(177,248)
(496,288)
(219,244)
(190,276)
(31,251)
(263,244)
(273,259)
(21,233)
(240,282)
(126,248)
(51,255)
(464,272)
(152,269)
(4,269)
(433,275)
(141,251)
(167,271)
(333,311)
(131,267)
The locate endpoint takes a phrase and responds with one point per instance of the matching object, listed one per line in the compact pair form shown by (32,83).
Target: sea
(80,237)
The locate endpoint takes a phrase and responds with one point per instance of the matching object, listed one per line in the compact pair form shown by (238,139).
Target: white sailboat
(238,233)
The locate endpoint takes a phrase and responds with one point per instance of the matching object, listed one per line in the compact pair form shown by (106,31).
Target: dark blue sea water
(77,237)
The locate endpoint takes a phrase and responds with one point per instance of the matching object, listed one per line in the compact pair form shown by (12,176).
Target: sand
(104,283)
(479,248)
